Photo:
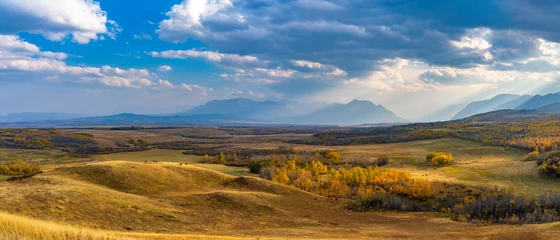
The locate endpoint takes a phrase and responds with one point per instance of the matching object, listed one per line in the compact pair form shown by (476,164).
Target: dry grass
(169,201)
(14,227)
(106,194)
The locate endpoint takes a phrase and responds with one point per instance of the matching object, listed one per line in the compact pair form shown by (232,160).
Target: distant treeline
(273,130)
(539,134)
(41,139)
(371,136)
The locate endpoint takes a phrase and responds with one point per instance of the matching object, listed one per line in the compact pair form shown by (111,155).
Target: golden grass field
(101,196)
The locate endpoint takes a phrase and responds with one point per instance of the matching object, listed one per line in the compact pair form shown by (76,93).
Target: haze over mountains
(34,117)
(540,101)
(239,111)
(242,111)
(544,103)
(353,113)
(486,105)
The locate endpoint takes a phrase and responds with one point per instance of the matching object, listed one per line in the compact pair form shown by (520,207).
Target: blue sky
(414,57)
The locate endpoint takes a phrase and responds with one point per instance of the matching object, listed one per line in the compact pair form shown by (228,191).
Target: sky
(414,57)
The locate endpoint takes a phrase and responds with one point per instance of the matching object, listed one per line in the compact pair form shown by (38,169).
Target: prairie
(166,194)
(126,200)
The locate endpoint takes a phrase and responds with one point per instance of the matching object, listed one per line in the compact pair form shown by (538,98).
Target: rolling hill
(126,200)
(553,108)
(506,115)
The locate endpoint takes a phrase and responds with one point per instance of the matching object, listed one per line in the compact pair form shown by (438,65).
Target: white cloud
(280,73)
(329,70)
(475,39)
(165,68)
(236,93)
(203,91)
(393,74)
(187,18)
(165,84)
(20,57)
(84,20)
(327,26)
(227,59)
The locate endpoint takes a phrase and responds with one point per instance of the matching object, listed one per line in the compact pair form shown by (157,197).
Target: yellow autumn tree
(439,158)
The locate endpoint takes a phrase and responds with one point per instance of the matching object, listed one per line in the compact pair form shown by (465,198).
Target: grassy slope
(170,199)
(475,164)
(162,155)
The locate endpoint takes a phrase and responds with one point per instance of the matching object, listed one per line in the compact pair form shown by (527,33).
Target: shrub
(254,166)
(382,160)
(549,166)
(4,170)
(19,167)
(205,159)
(333,156)
(534,156)
(439,158)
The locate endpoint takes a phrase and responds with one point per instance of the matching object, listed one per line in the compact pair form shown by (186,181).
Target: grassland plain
(103,195)
(168,201)
(475,164)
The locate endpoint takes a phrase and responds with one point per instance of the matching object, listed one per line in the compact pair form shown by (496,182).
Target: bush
(382,160)
(4,170)
(439,158)
(534,156)
(549,166)
(19,167)
(333,156)
(254,166)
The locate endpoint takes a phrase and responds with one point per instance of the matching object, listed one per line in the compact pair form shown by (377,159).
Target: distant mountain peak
(487,105)
(363,102)
(540,101)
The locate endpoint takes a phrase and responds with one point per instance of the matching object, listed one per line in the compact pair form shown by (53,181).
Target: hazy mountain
(540,101)
(234,112)
(231,106)
(486,105)
(444,114)
(353,113)
(506,115)
(34,117)
(553,108)
(513,104)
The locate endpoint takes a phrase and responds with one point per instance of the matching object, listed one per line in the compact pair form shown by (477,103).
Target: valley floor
(119,196)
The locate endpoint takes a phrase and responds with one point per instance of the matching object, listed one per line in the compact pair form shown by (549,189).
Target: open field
(475,164)
(171,200)
(101,196)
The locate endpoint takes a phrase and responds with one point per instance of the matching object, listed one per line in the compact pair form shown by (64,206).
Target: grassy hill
(128,200)
(129,196)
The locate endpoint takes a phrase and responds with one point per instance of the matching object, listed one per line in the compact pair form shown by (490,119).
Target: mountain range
(549,103)
(242,112)
(502,101)
(239,111)
(35,117)
(353,113)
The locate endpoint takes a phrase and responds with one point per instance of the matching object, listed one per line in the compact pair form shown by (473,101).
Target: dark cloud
(353,34)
